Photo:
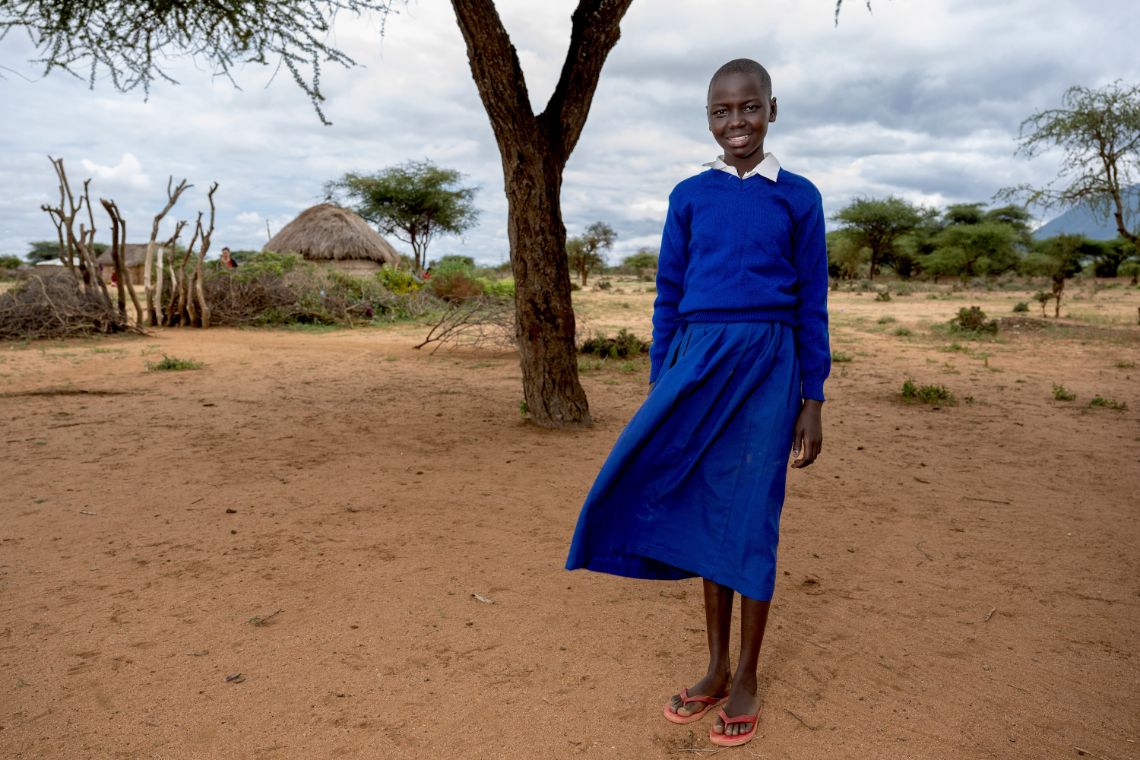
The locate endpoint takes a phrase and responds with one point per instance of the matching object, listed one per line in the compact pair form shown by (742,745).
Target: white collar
(769,168)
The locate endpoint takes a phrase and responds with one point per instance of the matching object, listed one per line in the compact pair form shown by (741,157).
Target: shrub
(883,295)
(886,319)
(604,285)
(902,332)
(1061,393)
(398,281)
(973,320)
(1099,401)
(502,289)
(454,285)
(625,345)
(926,394)
(10,262)
(1021,307)
(838,357)
(173,364)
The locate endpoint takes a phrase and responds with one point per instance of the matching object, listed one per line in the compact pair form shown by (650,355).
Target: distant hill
(1082,220)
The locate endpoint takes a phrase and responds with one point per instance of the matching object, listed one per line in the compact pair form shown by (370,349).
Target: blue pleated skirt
(694,485)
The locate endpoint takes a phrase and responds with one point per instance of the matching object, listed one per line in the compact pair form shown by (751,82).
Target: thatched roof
(327,232)
(134,255)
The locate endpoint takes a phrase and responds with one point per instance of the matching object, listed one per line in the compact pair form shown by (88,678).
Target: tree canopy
(413,201)
(1098,131)
(585,252)
(876,224)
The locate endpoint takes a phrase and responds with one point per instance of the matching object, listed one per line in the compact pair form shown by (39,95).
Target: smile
(737,142)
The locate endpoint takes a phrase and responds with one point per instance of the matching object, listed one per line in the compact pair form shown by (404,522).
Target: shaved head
(744,66)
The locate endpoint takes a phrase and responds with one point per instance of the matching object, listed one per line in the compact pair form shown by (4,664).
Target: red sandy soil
(373,538)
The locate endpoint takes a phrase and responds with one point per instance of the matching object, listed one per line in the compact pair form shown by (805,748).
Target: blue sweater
(748,250)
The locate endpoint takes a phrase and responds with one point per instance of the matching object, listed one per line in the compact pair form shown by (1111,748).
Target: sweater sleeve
(810,260)
(671,263)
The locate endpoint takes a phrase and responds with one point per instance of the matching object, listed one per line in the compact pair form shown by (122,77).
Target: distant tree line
(964,240)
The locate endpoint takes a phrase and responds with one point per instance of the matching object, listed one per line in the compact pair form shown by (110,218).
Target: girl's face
(739,111)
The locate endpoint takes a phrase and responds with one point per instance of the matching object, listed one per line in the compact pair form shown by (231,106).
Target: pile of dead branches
(478,322)
(46,304)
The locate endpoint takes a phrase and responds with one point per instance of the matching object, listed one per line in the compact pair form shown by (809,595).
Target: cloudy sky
(921,99)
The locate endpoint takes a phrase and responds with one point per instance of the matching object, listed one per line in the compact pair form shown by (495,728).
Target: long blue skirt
(695,483)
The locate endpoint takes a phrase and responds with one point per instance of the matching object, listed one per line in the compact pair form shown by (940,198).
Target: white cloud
(127,174)
(919,99)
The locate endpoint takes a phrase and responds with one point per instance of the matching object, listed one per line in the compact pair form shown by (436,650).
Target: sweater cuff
(812,387)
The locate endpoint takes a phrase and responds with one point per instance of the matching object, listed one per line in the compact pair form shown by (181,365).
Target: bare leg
(742,699)
(718,627)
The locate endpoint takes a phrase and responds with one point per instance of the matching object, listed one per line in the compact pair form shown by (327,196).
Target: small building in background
(134,261)
(335,237)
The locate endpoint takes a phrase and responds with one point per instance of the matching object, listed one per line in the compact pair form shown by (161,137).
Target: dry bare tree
(152,280)
(123,282)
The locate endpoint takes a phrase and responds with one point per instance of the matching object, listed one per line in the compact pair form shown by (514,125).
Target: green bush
(926,394)
(398,281)
(883,295)
(173,364)
(838,357)
(1061,393)
(10,262)
(502,289)
(624,345)
(973,320)
(604,285)
(1021,307)
(1099,401)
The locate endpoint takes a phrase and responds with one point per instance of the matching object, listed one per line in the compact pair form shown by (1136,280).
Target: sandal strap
(686,699)
(737,718)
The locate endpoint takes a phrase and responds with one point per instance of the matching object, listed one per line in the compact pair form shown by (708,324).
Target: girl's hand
(807,440)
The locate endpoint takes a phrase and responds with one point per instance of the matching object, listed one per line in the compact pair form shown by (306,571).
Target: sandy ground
(373,538)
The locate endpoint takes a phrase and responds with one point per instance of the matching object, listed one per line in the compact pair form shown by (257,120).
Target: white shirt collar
(769,168)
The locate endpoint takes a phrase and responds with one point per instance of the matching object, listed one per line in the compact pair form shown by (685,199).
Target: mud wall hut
(335,237)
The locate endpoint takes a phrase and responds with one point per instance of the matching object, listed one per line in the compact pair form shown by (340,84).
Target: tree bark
(534,150)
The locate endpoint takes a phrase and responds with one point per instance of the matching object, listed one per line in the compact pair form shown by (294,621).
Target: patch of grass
(173,364)
(590,365)
(628,367)
(903,332)
(955,347)
(883,295)
(1125,365)
(838,357)
(927,394)
(1061,393)
(886,319)
(1021,307)
(1100,402)
(524,408)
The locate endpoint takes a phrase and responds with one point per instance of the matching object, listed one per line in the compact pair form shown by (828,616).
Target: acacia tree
(131,39)
(413,202)
(876,224)
(1099,132)
(584,252)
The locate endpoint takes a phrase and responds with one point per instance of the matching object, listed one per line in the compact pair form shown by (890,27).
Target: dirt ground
(373,538)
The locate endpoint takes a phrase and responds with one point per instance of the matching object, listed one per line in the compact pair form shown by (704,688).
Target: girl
(695,483)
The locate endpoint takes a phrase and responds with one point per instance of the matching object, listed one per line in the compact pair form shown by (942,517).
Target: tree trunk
(534,151)
(544,314)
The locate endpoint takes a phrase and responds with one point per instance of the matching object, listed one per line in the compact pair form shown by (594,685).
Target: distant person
(227,260)
(695,484)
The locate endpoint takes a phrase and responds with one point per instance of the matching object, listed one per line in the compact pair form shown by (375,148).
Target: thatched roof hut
(337,237)
(134,261)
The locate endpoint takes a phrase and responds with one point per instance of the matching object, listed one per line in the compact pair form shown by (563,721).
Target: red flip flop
(709,702)
(723,740)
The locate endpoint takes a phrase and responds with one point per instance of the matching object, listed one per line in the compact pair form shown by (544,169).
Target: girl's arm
(810,259)
(671,263)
